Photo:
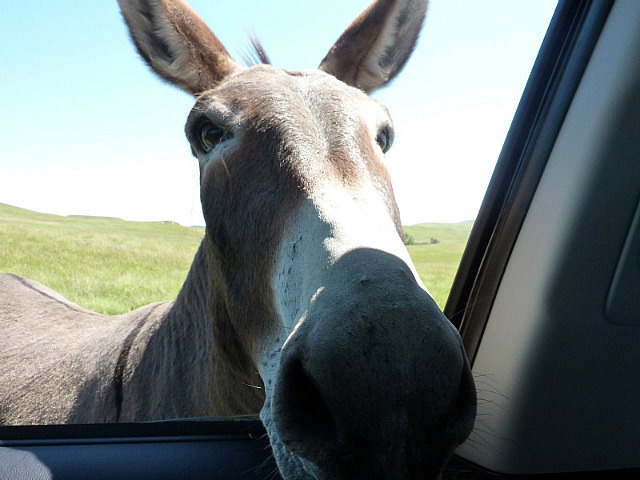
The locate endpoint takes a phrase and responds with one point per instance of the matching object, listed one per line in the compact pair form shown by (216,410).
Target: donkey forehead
(290,98)
(323,130)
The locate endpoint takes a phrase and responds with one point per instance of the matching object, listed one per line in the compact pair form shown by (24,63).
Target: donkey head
(311,284)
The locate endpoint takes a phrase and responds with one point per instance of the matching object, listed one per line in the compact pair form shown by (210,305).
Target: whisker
(226,168)
(257,387)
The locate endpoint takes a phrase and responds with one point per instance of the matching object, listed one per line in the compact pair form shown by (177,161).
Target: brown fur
(202,55)
(376,46)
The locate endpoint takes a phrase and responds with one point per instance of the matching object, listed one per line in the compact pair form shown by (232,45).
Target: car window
(99,191)
(452,109)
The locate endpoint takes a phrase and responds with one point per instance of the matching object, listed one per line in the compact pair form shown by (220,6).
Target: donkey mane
(256,54)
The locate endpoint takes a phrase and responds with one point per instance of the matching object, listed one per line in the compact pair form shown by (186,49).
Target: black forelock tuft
(256,55)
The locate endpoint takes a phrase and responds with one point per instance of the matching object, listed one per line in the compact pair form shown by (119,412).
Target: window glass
(90,137)
(452,108)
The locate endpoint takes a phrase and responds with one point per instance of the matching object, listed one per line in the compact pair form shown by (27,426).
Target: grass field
(103,264)
(436,252)
(113,266)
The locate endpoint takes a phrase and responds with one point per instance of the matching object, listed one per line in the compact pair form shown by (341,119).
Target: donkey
(301,304)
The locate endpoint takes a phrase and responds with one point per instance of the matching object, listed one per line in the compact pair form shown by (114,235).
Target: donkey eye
(384,139)
(210,136)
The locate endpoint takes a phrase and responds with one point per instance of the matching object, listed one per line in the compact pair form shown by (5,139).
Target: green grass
(113,266)
(437,262)
(104,264)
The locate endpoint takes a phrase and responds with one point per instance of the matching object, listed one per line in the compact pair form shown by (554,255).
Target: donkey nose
(374,380)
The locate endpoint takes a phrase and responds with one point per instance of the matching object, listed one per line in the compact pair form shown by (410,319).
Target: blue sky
(87,129)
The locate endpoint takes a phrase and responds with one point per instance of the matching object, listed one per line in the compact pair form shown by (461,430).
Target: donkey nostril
(302,412)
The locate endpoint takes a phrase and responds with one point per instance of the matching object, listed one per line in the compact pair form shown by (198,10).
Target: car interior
(547,296)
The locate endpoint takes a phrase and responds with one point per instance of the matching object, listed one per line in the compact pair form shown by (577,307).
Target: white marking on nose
(335,221)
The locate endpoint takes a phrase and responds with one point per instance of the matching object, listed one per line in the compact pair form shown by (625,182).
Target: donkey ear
(177,44)
(375,47)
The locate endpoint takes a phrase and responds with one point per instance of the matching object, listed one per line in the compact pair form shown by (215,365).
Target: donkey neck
(192,307)
(179,352)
